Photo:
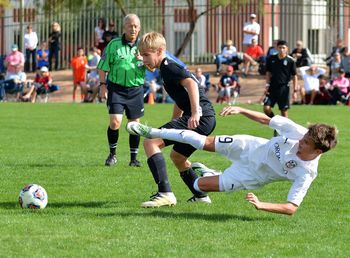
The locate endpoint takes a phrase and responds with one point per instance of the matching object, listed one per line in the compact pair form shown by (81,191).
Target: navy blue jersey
(228,80)
(172,74)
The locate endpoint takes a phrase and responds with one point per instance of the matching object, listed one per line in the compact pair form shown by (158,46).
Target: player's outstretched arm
(254,115)
(283,208)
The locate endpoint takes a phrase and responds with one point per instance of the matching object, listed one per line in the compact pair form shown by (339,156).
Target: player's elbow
(290,209)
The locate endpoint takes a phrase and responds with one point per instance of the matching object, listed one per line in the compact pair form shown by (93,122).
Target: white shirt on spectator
(311,82)
(229,52)
(30,40)
(253,27)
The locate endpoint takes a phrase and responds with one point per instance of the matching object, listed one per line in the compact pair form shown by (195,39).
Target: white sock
(196,187)
(185,136)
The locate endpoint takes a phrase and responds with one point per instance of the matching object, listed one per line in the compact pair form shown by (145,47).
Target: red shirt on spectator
(44,80)
(255,51)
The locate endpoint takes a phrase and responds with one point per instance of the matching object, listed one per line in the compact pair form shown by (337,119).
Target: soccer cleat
(136,128)
(160,199)
(135,163)
(203,171)
(204,199)
(111,160)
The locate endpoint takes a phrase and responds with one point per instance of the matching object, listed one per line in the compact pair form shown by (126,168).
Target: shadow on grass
(186,215)
(37,165)
(91,204)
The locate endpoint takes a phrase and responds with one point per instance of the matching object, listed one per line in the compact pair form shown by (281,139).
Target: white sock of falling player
(185,136)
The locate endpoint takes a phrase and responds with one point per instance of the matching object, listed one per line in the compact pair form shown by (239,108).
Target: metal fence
(317,23)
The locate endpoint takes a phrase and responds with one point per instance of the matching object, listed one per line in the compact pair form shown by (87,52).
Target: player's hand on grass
(230,110)
(250,197)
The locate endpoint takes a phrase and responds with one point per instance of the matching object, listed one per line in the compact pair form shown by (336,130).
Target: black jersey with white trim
(281,69)
(172,74)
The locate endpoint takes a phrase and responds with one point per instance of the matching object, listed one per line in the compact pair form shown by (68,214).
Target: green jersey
(119,61)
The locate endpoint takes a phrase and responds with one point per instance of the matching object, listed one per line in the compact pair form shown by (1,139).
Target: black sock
(189,176)
(113,136)
(134,141)
(157,165)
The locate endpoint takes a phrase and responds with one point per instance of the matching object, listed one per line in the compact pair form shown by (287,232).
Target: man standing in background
(251,30)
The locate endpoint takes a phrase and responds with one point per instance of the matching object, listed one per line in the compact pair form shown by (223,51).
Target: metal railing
(317,23)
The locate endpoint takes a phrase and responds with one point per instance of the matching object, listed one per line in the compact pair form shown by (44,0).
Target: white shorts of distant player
(242,174)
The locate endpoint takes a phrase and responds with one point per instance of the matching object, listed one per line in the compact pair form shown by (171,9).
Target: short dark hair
(323,136)
(322,77)
(282,43)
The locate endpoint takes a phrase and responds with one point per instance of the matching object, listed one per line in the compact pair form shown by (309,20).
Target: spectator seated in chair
(252,56)
(203,79)
(228,55)
(327,94)
(301,55)
(43,83)
(228,86)
(311,87)
(343,84)
(15,84)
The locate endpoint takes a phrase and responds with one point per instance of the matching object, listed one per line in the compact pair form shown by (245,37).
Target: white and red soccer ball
(33,196)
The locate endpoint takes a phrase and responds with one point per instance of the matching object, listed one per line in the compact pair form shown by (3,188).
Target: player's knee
(177,158)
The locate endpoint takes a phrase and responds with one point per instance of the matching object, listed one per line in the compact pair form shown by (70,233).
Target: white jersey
(258,161)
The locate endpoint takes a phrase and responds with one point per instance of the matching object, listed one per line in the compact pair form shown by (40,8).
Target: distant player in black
(192,110)
(280,68)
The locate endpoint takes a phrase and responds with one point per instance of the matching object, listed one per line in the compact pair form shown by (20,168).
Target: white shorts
(241,174)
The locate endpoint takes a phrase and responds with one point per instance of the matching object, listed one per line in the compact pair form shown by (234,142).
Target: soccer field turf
(94,211)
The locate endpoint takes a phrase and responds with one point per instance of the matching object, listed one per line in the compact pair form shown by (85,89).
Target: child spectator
(43,82)
(201,79)
(228,85)
(93,78)
(79,65)
(42,55)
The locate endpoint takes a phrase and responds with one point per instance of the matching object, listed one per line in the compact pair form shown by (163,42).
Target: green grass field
(93,211)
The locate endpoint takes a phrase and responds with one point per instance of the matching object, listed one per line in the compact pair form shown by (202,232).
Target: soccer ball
(33,196)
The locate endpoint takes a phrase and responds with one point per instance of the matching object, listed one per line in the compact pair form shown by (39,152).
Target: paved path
(252,87)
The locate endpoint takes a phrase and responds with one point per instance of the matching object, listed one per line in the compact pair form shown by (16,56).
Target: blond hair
(152,41)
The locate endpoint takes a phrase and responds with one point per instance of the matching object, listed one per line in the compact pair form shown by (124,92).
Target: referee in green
(123,85)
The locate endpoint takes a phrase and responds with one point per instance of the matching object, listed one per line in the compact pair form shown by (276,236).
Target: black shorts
(279,95)
(129,99)
(206,126)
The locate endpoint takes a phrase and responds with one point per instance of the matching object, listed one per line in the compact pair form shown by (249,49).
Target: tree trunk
(186,39)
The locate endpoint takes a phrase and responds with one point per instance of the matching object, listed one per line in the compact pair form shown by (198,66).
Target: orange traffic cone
(150,98)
